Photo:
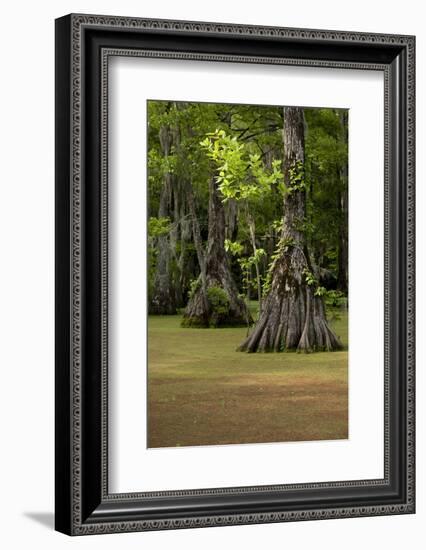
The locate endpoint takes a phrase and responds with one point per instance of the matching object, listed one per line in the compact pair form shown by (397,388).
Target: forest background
(248,240)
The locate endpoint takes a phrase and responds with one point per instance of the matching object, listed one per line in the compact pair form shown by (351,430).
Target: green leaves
(249,261)
(332,297)
(335,298)
(241,175)
(259,253)
(194,286)
(228,157)
(241,147)
(320,291)
(158,226)
(234,247)
(309,277)
(296,176)
(218,300)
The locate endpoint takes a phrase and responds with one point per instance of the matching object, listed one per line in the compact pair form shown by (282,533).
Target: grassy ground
(202,392)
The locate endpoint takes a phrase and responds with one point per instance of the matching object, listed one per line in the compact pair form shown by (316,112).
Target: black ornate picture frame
(84,44)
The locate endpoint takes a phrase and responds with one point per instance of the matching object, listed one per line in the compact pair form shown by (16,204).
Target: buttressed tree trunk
(163,298)
(215,300)
(292,317)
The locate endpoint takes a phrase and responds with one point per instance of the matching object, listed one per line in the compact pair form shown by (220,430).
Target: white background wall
(27,244)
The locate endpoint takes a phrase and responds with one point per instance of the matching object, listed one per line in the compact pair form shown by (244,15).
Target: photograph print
(247,274)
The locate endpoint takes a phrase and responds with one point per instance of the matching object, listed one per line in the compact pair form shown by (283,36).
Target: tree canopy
(220,186)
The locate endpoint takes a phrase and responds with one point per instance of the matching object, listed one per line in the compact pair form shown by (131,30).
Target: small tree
(243,177)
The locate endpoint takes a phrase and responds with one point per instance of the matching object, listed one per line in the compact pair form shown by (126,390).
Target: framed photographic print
(234,274)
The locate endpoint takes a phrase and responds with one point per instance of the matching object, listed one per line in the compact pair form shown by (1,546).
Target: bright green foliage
(309,278)
(240,174)
(297,177)
(158,226)
(243,177)
(234,247)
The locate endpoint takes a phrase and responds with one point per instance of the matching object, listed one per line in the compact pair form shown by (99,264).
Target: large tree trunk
(180,236)
(215,283)
(163,297)
(292,317)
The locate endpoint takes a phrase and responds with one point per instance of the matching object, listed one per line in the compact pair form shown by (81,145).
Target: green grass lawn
(203,392)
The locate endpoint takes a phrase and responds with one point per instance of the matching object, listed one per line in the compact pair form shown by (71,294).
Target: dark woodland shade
(303,258)
(163,297)
(216,274)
